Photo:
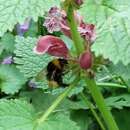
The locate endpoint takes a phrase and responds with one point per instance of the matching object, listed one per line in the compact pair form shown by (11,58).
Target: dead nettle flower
(51,45)
(86,60)
(53,19)
(7,60)
(57,21)
(87,31)
(22,28)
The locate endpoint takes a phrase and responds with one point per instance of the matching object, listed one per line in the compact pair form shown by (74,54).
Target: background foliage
(22,104)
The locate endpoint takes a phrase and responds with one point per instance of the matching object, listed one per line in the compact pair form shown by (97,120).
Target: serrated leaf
(122,118)
(82,118)
(14,11)
(120,70)
(16,115)
(78,88)
(11,80)
(28,62)
(58,122)
(41,101)
(68,77)
(113,28)
(118,101)
(33,30)
(7,42)
(19,115)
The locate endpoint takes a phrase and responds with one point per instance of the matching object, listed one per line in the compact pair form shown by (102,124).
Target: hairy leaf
(122,118)
(118,101)
(14,11)
(19,115)
(16,115)
(41,101)
(7,42)
(28,62)
(121,70)
(58,122)
(82,118)
(113,28)
(11,80)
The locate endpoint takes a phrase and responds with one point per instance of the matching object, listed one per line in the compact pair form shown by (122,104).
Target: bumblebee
(55,72)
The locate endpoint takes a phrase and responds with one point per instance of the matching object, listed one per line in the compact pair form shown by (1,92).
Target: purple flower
(7,60)
(32,84)
(22,28)
(53,19)
(87,31)
(56,20)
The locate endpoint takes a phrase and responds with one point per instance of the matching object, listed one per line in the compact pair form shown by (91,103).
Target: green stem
(90,83)
(93,111)
(56,103)
(111,85)
(74,32)
(100,102)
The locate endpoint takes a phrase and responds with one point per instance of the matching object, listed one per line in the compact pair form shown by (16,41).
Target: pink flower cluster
(57,21)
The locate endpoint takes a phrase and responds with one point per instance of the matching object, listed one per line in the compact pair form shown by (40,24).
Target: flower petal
(7,60)
(52,45)
(87,31)
(42,45)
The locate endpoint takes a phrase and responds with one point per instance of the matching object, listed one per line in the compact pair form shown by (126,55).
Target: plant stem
(111,85)
(57,102)
(74,32)
(93,111)
(96,94)
(100,102)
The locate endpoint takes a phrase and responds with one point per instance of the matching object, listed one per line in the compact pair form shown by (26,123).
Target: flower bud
(85,60)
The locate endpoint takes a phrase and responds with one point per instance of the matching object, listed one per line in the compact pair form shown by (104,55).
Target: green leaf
(121,70)
(68,77)
(16,115)
(7,42)
(113,28)
(1,48)
(11,80)
(19,115)
(58,122)
(28,62)
(14,11)
(118,101)
(78,88)
(33,30)
(122,118)
(82,118)
(41,101)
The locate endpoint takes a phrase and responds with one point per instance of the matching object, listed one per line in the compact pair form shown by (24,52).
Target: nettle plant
(64,64)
